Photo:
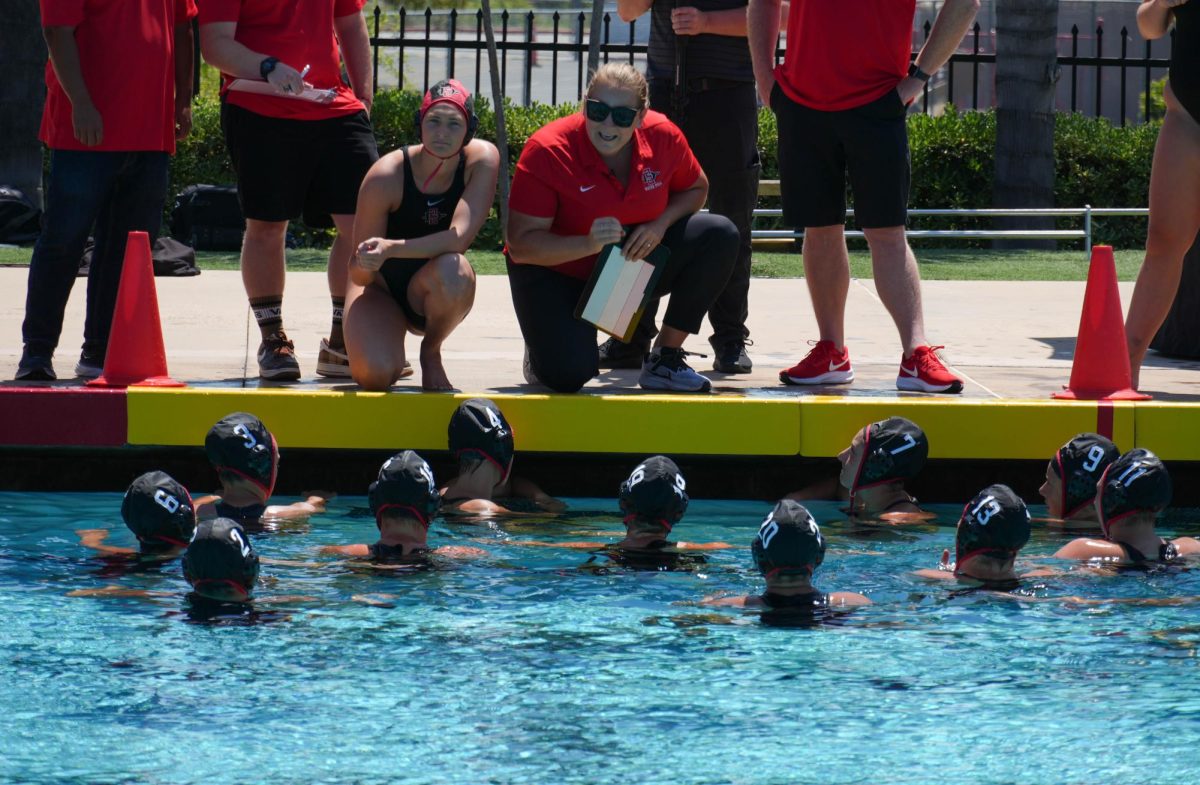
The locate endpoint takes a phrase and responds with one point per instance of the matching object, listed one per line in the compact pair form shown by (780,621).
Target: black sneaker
(667,369)
(732,358)
(614,354)
(35,368)
(277,359)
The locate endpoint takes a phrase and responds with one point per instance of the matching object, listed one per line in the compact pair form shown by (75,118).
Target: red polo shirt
(842,54)
(560,175)
(299,33)
(127,55)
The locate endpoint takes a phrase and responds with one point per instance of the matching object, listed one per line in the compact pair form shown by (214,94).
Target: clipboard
(618,290)
(266,88)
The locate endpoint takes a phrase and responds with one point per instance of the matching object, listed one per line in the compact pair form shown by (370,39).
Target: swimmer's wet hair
(624,76)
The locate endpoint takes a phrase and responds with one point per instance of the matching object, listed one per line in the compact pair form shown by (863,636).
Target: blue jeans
(118,192)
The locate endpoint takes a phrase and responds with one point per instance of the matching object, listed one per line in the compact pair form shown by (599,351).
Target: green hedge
(952,159)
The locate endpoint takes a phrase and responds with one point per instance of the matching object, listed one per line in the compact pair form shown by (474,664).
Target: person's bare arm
(118,591)
(64,57)
(688,20)
(460,552)
(94,539)
(949,27)
(313,505)
(576,545)
(352,36)
(527,489)
(739,601)
(184,50)
(847,599)
(702,546)
(229,56)
(482,507)
(1085,549)
(483,170)
(1154,17)
(356,551)
(762,33)
(629,10)
(530,240)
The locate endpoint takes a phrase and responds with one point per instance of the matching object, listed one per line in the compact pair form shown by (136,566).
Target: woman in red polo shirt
(617,172)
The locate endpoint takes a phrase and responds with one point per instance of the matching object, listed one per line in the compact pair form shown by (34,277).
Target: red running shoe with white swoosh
(824,364)
(924,372)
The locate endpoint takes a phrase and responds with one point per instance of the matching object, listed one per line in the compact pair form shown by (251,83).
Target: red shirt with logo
(560,175)
(299,33)
(127,56)
(842,54)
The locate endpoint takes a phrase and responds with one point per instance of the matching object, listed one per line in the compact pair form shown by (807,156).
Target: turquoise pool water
(524,668)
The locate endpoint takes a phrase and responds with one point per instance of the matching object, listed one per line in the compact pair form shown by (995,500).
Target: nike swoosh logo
(585,188)
(839,366)
(432,202)
(908,372)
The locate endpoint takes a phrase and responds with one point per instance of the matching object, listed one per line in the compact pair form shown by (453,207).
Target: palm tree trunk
(498,103)
(22,93)
(1026,73)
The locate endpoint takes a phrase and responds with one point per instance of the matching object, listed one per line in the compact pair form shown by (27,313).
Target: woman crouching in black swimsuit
(419,209)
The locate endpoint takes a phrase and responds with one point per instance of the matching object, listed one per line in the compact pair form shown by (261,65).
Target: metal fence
(542,56)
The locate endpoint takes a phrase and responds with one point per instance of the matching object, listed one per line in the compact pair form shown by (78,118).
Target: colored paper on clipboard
(618,290)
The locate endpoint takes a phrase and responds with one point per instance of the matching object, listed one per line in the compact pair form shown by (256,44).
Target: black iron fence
(542,57)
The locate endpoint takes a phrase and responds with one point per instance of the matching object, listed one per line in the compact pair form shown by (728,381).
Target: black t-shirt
(707,56)
(1185,57)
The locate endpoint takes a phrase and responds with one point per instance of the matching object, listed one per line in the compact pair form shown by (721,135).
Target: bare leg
(1174,221)
(670,337)
(340,252)
(443,291)
(898,283)
(375,328)
(827,272)
(262,258)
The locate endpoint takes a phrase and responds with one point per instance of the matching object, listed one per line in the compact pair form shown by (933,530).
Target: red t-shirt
(560,175)
(127,55)
(845,53)
(299,33)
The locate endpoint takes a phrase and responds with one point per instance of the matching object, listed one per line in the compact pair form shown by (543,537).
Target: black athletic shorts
(817,149)
(398,274)
(292,168)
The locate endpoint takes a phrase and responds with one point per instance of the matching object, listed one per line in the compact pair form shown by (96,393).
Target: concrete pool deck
(1012,342)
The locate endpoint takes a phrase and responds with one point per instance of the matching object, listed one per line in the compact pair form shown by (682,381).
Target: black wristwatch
(268,65)
(917,72)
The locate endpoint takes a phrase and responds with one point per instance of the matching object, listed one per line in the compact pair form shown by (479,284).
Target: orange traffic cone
(1100,371)
(136,355)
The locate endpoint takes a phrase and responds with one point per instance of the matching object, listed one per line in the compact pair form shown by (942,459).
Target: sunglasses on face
(622,116)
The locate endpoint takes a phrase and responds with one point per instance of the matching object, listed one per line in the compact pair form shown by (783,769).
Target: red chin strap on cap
(862,461)
(254,480)
(441,160)
(171,541)
(420,516)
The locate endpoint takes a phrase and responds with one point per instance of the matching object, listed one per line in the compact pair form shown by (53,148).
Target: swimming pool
(525,668)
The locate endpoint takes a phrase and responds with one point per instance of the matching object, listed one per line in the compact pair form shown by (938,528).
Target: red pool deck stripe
(62,417)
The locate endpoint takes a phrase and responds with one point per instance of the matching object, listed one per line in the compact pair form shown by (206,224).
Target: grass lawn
(937,264)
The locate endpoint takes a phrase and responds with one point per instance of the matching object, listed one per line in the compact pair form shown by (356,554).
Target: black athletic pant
(720,121)
(563,349)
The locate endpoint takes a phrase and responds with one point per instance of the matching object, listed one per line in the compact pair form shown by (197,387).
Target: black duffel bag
(208,218)
(171,258)
(20,220)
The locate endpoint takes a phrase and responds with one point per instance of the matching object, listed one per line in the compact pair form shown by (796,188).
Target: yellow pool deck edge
(741,426)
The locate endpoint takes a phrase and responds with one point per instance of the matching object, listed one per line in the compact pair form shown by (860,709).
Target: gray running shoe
(667,369)
(277,359)
(89,366)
